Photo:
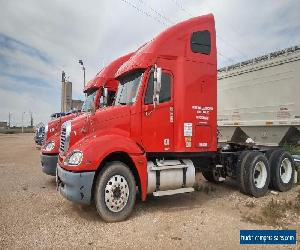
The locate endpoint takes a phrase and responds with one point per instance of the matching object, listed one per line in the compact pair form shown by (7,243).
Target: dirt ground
(34,215)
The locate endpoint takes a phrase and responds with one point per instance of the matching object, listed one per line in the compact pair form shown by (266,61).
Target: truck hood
(55,125)
(112,112)
(114,119)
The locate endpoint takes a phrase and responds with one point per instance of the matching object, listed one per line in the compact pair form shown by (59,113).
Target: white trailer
(260,99)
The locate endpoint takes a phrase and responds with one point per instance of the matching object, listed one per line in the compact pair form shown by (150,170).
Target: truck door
(157,122)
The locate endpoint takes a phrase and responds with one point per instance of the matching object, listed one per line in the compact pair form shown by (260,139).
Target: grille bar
(62,139)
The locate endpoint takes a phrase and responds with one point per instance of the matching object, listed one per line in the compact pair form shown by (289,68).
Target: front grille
(63,138)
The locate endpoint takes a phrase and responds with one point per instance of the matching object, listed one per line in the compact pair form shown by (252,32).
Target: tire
(269,154)
(212,175)
(282,170)
(115,192)
(256,174)
(240,170)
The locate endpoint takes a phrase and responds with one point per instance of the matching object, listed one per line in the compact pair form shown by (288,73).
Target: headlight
(75,158)
(50,146)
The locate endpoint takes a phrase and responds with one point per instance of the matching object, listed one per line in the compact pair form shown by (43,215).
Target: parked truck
(161,129)
(50,143)
(39,134)
(100,92)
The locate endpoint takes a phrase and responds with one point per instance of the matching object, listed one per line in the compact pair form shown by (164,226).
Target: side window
(200,42)
(165,91)
(110,99)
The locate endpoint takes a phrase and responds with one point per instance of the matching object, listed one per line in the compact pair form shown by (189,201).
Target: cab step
(175,191)
(159,168)
(168,164)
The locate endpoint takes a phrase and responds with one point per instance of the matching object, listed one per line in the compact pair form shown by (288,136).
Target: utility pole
(31,119)
(9,117)
(83,69)
(23,122)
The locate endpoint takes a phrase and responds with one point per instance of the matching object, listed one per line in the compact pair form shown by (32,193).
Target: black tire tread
(240,170)
(209,176)
(270,154)
(275,160)
(247,174)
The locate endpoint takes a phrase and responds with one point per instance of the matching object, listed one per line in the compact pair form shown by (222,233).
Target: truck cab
(165,108)
(100,92)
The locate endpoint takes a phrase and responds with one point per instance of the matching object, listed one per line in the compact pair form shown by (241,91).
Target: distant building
(66,96)
(77,104)
(3,125)
(67,104)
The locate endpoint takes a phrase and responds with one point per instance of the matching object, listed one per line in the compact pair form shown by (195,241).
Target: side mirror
(157,85)
(105,96)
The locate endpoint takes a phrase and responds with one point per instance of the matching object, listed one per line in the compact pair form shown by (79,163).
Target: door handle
(148,109)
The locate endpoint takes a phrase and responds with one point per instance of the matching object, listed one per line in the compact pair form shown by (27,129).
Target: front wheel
(115,192)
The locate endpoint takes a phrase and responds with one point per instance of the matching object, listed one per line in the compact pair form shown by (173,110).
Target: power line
(159,20)
(227,58)
(157,12)
(222,39)
(233,29)
(144,12)
(230,45)
(180,7)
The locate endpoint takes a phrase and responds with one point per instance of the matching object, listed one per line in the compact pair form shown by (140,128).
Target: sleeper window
(201,42)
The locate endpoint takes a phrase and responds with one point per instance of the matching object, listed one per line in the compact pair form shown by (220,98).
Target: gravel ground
(34,215)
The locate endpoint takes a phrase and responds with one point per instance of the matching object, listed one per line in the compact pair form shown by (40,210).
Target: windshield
(56,115)
(128,88)
(90,98)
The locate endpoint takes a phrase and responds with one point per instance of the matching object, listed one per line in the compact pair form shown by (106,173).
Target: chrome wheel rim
(286,170)
(116,193)
(260,174)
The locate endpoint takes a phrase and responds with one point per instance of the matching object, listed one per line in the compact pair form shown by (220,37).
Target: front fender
(95,149)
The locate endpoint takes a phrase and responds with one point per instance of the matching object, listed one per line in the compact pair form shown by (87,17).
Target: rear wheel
(241,170)
(213,175)
(256,174)
(115,192)
(282,170)
(269,154)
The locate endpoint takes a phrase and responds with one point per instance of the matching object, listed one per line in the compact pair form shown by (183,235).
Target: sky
(39,39)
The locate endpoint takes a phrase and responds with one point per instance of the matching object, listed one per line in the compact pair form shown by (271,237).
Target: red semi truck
(161,129)
(50,144)
(100,92)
